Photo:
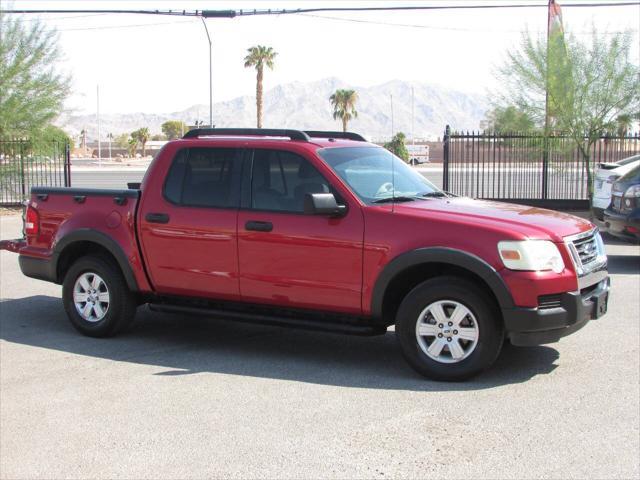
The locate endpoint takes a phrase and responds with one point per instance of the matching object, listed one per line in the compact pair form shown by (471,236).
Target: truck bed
(75,215)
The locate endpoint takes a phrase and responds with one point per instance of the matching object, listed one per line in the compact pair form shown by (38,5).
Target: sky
(160,64)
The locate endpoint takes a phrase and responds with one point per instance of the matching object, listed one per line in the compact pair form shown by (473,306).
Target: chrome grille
(587,251)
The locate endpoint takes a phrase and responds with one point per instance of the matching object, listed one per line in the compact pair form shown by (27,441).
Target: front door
(291,259)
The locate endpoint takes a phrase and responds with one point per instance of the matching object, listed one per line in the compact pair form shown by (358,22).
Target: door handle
(157,218)
(258,226)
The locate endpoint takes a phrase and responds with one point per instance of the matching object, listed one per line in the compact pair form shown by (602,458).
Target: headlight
(532,255)
(633,191)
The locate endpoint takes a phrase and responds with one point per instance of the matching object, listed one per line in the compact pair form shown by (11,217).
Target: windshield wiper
(438,194)
(394,199)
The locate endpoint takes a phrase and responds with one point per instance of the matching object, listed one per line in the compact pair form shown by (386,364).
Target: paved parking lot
(187,397)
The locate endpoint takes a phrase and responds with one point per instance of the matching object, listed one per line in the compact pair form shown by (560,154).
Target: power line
(428,27)
(111,27)
(254,12)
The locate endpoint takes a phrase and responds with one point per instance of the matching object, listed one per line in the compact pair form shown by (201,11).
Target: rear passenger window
(281,180)
(203,177)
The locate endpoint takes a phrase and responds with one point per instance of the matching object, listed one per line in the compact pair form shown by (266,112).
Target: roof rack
(265,132)
(343,135)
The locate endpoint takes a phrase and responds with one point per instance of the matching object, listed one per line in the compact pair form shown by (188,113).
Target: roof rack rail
(343,135)
(264,132)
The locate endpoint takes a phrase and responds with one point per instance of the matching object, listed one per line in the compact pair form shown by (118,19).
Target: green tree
(588,83)
(174,129)
(142,136)
(507,119)
(122,140)
(343,102)
(397,146)
(32,89)
(259,57)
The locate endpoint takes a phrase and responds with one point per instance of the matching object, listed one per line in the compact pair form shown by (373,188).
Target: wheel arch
(411,268)
(85,241)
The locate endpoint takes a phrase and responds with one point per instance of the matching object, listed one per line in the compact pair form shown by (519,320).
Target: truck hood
(521,220)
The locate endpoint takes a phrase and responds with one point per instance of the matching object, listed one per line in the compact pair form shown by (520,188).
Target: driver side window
(280,181)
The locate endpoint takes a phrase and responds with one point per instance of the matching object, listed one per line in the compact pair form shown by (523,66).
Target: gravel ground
(187,397)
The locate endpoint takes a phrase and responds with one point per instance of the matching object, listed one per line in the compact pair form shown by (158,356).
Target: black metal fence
(527,168)
(24,164)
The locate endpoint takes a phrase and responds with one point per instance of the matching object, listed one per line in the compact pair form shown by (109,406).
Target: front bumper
(617,224)
(536,326)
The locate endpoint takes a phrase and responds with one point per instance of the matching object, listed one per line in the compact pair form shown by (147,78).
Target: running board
(273,320)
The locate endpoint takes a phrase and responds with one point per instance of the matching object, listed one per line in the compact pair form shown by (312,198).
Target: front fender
(440,255)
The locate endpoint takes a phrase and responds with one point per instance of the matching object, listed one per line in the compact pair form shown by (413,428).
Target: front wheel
(448,330)
(96,297)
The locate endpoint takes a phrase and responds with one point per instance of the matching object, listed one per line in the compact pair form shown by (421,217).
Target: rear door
(291,259)
(188,224)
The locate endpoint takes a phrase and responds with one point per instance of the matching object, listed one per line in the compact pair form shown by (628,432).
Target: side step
(273,320)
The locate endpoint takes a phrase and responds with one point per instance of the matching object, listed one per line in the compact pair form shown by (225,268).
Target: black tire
(121,306)
(489,323)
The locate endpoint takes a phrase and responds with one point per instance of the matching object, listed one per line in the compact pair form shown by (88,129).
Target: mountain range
(305,105)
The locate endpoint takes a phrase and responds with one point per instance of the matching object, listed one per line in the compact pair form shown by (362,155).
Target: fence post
(545,166)
(23,186)
(67,165)
(445,160)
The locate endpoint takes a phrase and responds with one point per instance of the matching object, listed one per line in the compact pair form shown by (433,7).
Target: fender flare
(443,255)
(97,237)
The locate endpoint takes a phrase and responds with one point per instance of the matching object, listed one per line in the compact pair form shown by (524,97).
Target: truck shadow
(187,345)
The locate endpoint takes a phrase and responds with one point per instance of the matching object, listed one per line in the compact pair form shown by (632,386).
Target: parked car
(622,218)
(606,174)
(318,230)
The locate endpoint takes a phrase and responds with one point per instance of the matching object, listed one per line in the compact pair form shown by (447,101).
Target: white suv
(606,174)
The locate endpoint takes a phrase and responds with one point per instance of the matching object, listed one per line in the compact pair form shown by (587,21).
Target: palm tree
(258,57)
(133,145)
(344,106)
(143,136)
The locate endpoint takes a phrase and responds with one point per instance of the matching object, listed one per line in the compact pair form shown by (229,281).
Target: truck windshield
(376,175)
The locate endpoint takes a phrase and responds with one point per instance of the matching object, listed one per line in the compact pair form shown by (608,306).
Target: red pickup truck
(319,230)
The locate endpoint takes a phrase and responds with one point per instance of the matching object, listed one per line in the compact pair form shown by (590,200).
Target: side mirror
(323,204)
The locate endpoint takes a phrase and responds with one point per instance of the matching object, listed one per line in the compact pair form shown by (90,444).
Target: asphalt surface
(189,397)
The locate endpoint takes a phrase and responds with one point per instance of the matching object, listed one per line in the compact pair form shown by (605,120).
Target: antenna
(392,130)
(393,183)
(413,137)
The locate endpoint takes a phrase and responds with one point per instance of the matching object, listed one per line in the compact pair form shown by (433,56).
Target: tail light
(631,198)
(31,221)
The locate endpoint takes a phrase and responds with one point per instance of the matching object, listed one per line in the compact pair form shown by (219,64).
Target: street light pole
(210,74)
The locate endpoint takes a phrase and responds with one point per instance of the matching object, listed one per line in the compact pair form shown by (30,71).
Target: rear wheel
(96,297)
(448,330)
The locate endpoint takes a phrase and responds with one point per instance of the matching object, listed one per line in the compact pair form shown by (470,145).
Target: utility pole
(110,137)
(98,114)
(210,74)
